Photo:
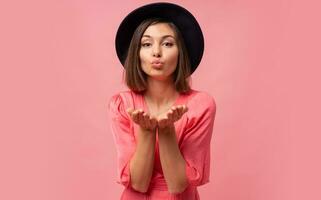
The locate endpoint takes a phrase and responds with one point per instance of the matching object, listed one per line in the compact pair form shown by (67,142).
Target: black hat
(182,18)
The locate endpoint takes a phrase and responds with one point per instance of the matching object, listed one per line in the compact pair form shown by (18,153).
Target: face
(158,51)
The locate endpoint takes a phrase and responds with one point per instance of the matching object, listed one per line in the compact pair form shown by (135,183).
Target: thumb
(129,110)
(185,108)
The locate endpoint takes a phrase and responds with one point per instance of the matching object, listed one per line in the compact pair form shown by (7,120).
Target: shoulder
(201,112)
(201,100)
(120,97)
(119,102)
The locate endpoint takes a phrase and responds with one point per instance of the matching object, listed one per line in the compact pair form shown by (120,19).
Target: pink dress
(193,130)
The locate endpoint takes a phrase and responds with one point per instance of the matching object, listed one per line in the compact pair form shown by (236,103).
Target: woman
(162,128)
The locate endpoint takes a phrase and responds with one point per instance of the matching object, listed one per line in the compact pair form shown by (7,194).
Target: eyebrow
(161,37)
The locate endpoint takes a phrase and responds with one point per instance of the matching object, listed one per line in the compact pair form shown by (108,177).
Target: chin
(158,77)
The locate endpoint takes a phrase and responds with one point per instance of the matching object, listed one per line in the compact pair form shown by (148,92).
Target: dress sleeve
(196,145)
(123,137)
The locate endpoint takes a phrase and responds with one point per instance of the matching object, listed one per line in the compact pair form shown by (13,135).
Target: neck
(161,92)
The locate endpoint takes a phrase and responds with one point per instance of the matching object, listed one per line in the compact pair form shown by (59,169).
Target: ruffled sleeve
(196,144)
(123,137)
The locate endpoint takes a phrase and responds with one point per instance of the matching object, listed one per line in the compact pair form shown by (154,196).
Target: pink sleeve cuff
(124,178)
(194,177)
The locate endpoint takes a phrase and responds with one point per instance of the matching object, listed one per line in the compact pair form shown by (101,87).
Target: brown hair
(136,78)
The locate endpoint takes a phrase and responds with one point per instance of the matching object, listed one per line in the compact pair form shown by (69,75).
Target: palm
(163,120)
(171,116)
(143,119)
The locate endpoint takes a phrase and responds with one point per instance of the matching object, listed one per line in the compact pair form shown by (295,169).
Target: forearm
(172,161)
(142,162)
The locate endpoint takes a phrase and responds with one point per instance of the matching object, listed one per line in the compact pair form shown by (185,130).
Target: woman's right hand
(143,119)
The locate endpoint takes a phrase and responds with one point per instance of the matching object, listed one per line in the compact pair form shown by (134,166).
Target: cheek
(143,60)
(172,56)
(141,56)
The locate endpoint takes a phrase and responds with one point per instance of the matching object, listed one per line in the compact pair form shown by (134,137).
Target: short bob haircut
(136,78)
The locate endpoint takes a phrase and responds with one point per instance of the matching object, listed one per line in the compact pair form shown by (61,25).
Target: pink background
(59,67)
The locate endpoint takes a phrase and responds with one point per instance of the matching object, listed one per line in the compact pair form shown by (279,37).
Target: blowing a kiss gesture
(163,120)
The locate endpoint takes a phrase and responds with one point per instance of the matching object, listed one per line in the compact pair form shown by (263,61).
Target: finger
(170,114)
(145,116)
(140,116)
(135,116)
(181,110)
(146,119)
(167,122)
(185,108)
(163,119)
(161,123)
(176,112)
(129,111)
(153,121)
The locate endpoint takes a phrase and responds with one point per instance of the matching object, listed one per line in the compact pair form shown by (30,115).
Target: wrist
(147,131)
(167,129)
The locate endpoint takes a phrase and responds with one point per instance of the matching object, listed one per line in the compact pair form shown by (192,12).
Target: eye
(169,44)
(145,44)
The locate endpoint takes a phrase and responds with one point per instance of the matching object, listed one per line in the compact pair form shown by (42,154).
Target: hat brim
(182,18)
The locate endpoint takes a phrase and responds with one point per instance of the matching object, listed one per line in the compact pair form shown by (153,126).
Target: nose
(156,51)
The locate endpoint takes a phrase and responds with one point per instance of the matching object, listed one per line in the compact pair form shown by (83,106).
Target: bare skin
(145,120)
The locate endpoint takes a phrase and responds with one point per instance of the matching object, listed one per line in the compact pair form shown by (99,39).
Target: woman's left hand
(172,115)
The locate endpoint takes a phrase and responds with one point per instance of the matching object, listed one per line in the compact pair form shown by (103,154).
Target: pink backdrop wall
(59,67)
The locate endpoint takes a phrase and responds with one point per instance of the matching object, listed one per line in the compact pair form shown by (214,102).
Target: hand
(172,115)
(143,119)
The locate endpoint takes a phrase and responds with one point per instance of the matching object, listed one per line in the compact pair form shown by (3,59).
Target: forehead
(159,30)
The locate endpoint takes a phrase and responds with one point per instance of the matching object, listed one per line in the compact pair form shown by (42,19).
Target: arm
(142,162)
(189,164)
(172,161)
(131,150)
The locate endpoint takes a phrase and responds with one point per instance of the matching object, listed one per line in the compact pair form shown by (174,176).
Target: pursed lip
(157,62)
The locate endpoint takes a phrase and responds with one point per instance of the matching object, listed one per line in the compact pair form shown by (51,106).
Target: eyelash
(171,44)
